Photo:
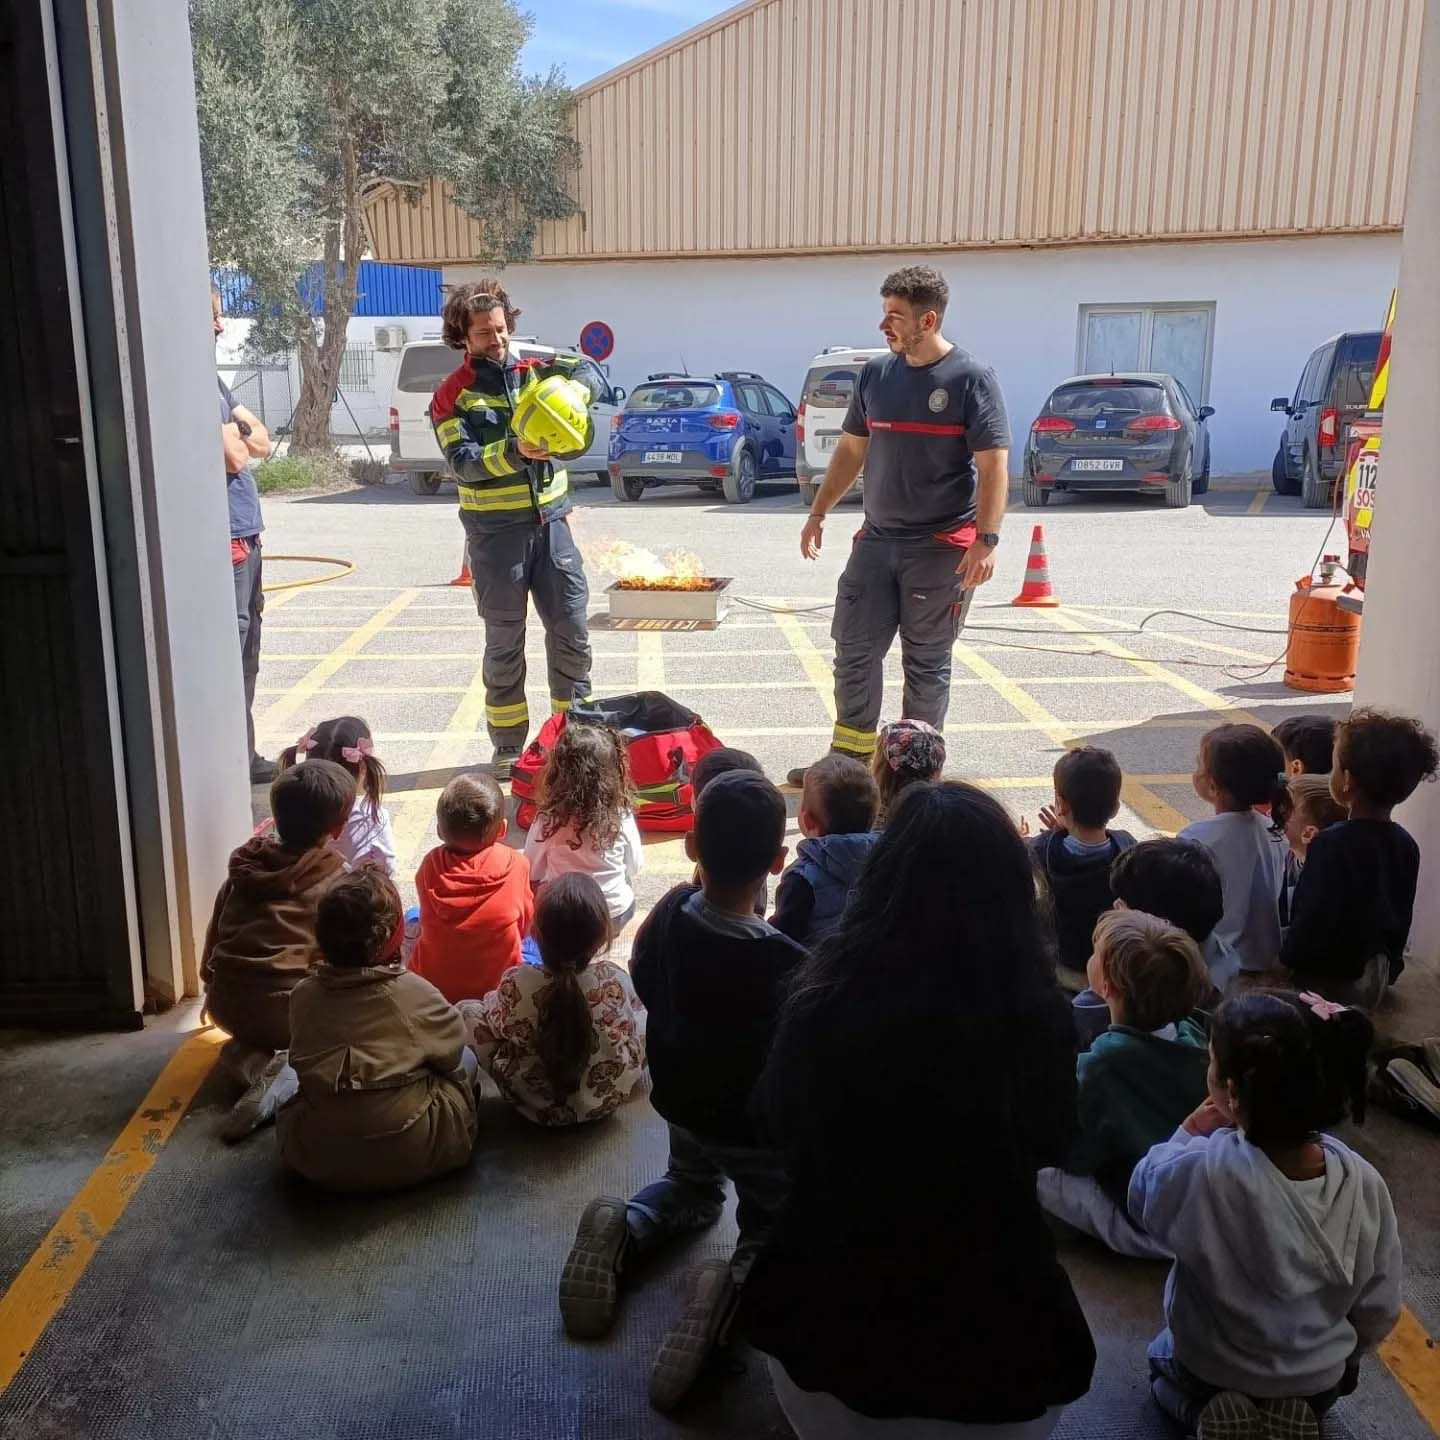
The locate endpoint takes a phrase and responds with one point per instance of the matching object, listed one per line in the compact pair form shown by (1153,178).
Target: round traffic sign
(597,340)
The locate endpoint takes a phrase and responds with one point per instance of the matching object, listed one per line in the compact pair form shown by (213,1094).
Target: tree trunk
(320,360)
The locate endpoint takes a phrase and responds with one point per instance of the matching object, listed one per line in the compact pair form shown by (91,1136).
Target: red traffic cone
(1036,589)
(464,577)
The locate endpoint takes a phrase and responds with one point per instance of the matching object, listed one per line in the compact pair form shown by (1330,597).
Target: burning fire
(636,568)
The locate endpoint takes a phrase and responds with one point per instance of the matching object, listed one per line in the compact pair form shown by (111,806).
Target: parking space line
(1185,638)
(1413,1358)
(48,1278)
(817,668)
(1143,801)
(1257,504)
(314,680)
(1198,693)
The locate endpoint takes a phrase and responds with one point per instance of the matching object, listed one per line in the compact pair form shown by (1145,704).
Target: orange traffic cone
(464,577)
(1036,589)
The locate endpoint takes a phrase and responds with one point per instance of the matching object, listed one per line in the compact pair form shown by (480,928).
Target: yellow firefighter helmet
(554,412)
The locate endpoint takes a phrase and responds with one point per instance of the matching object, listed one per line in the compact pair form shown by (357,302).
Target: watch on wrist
(989,537)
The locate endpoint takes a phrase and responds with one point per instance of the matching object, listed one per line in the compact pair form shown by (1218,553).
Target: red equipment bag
(663,740)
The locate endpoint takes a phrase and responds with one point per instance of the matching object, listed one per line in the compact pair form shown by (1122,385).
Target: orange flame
(636,568)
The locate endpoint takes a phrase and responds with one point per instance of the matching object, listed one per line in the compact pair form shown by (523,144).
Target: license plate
(827,442)
(1097,464)
(663,457)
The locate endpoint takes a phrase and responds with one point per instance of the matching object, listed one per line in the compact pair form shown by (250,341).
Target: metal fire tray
(696,606)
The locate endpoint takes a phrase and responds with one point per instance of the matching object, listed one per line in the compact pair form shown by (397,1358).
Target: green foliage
(306,106)
(293,474)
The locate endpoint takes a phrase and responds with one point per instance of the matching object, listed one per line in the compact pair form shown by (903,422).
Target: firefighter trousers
(907,587)
(510,566)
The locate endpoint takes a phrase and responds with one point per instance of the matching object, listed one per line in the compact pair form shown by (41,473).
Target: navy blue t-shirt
(241,493)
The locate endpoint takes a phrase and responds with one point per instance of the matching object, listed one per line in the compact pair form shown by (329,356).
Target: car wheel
(1178,492)
(627,487)
(807,493)
(740,482)
(1036,494)
(1202,480)
(1314,491)
(1280,473)
(425,482)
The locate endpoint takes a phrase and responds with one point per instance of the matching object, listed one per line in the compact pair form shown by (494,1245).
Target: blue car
(727,432)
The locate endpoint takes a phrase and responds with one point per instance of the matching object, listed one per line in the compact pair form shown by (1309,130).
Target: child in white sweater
(1287,1261)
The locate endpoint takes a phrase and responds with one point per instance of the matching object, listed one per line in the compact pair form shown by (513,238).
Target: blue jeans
(1182,1394)
(691,1195)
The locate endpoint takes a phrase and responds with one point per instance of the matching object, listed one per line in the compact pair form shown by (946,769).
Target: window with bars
(357,367)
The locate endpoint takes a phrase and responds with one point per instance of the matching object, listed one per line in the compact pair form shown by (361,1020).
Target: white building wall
(1275,300)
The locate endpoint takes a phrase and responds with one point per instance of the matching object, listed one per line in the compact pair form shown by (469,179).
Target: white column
(1399,652)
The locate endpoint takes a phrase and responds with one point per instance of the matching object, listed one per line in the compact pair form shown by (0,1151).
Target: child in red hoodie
(475,899)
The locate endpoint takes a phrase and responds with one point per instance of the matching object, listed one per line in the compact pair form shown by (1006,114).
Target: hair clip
(306,741)
(353,754)
(1320,1006)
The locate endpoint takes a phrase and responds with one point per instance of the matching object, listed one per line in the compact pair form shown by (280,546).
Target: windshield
(423,367)
(829,387)
(674,395)
(1088,402)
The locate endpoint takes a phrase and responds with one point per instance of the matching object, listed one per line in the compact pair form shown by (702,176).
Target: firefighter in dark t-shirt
(927,423)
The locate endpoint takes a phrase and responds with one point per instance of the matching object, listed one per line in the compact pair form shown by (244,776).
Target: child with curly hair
(564,1040)
(586,817)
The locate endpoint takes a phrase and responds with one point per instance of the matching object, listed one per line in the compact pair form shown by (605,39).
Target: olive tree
(307,106)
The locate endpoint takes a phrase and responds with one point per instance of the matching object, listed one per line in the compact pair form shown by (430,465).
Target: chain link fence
(268,391)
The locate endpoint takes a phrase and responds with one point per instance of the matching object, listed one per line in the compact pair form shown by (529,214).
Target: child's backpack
(663,740)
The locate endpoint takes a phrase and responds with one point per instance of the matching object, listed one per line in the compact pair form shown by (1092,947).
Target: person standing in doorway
(927,423)
(245,439)
(513,504)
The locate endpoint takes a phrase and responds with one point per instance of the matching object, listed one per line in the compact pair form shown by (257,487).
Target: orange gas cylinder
(1324,639)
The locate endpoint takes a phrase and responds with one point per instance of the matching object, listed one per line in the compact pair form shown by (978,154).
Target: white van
(829,383)
(415,452)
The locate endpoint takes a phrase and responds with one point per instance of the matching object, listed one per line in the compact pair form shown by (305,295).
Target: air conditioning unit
(389,337)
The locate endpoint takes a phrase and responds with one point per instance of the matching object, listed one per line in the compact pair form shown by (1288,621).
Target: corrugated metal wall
(383,290)
(811,125)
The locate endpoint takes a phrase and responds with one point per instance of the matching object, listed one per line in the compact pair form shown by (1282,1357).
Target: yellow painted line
(280,600)
(413,818)
(1413,1358)
(816,667)
(1258,503)
(1183,637)
(42,1287)
(1156,671)
(1190,609)
(650,663)
(314,680)
(1144,802)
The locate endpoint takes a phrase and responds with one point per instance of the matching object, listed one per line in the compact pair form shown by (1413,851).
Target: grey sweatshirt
(1276,1282)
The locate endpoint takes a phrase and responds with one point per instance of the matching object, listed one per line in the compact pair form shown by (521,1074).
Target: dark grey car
(1333,390)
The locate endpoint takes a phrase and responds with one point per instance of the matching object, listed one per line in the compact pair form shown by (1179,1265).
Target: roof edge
(678,42)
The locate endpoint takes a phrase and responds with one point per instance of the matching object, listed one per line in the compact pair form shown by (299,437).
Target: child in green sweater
(1139,1079)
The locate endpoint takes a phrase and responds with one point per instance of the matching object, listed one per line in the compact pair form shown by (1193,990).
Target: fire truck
(1362,472)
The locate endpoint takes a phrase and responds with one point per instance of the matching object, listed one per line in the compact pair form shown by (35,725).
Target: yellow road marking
(1187,687)
(816,667)
(1144,802)
(650,663)
(1258,503)
(1182,637)
(412,821)
(314,680)
(42,1287)
(1412,1357)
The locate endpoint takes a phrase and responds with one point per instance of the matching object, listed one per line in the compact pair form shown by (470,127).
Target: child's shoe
(1231,1416)
(242,1064)
(590,1281)
(1289,1419)
(276,1085)
(703,1325)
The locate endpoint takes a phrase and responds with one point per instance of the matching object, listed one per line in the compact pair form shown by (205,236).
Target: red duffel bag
(663,738)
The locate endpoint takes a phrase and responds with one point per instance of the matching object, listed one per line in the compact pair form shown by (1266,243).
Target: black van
(1333,391)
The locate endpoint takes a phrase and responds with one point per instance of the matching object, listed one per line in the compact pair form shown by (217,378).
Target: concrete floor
(231,1302)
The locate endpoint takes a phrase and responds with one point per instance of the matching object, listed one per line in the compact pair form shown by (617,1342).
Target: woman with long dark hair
(924,1070)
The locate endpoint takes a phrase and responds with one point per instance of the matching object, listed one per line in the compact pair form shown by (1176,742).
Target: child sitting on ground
(907,752)
(838,806)
(347,742)
(1308,743)
(1076,852)
(565,1043)
(1287,1261)
(1177,882)
(1312,809)
(386,1084)
(1355,898)
(1238,768)
(476,903)
(261,941)
(712,976)
(710,766)
(1139,1080)
(585,818)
